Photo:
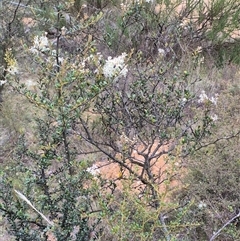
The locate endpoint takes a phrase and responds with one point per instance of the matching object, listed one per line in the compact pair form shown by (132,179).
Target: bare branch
(224,226)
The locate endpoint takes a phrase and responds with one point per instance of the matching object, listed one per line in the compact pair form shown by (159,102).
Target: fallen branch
(30,204)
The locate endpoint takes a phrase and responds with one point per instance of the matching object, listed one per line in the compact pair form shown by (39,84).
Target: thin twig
(224,226)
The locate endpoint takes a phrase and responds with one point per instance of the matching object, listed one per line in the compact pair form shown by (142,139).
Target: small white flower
(34,50)
(214,117)
(63,31)
(214,99)
(202,205)
(183,101)
(60,59)
(201,60)
(93,170)
(203,98)
(123,6)
(115,67)
(198,49)
(40,44)
(2,82)
(161,52)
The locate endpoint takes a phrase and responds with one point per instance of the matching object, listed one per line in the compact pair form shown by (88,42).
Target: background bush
(172,95)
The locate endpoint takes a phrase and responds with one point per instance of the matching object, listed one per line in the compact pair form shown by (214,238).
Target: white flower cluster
(183,101)
(40,44)
(203,98)
(214,117)
(115,67)
(202,205)
(2,82)
(161,53)
(124,7)
(93,170)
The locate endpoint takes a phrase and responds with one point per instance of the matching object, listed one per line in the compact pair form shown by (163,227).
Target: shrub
(143,104)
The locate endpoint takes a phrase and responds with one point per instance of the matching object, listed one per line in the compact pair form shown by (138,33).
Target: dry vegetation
(150,152)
